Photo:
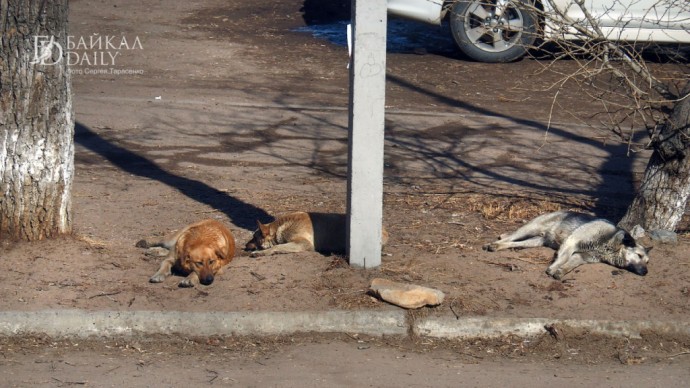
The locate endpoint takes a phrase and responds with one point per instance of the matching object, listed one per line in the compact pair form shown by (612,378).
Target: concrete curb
(79,323)
(529,327)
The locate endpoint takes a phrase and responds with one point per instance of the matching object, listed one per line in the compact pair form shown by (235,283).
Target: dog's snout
(638,269)
(206,280)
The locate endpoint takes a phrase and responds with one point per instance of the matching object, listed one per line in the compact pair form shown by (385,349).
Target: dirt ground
(238,116)
(343,361)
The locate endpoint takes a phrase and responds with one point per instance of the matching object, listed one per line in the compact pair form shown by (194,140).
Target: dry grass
(490,207)
(511,209)
(92,242)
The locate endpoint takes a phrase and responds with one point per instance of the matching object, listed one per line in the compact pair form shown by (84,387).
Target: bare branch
(591,31)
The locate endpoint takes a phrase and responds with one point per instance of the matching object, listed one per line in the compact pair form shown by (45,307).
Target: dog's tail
(155,242)
(150,242)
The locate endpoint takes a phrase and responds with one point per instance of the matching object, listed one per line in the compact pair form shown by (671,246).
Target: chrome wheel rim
(494,26)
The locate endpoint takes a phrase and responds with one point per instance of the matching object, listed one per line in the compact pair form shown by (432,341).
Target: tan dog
(199,251)
(300,232)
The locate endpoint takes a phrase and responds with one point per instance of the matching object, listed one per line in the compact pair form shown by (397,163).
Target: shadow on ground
(242,214)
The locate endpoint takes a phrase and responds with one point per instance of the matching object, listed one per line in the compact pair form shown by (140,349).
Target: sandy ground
(237,116)
(339,361)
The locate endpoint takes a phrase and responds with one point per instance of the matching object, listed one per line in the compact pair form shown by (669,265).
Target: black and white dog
(579,239)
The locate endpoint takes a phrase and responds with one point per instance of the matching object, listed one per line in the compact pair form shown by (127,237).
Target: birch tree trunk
(36,120)
(661,201)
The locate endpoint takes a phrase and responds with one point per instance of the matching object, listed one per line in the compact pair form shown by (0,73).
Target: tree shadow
(242,214)
(611,195)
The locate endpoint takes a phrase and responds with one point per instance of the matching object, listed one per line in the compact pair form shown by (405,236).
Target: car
(504,30)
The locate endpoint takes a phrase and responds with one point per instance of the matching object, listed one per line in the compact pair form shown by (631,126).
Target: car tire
(485,34)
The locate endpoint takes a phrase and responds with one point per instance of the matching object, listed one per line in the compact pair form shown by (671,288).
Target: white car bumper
(428,11)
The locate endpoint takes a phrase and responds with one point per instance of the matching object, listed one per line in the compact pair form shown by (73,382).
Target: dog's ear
(629,240)
(221,254)
(265,231)
(618,238)
(648,249)
(180,249)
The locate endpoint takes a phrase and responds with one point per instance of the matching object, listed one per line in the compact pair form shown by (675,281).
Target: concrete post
(366,126)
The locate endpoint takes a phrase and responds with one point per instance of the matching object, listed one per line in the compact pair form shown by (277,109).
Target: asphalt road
(331,363)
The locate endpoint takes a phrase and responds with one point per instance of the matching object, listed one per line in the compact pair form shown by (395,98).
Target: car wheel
(493,30)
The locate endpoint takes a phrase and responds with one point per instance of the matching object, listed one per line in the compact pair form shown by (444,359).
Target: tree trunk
(663,195)
(36,120)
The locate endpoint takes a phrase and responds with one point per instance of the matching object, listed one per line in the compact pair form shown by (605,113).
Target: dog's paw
(554,273)
(186,283)
(157,278)
(257,253)
(490,247)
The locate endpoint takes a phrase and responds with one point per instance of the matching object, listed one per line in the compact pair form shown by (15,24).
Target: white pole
(366,126)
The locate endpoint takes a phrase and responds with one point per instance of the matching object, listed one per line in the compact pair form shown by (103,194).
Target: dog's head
(262,239)
(634,257)
(206,261)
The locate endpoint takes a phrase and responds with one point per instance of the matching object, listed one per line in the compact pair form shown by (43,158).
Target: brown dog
(199,251)
(300,232)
